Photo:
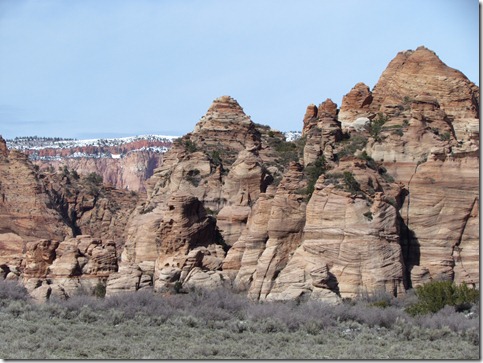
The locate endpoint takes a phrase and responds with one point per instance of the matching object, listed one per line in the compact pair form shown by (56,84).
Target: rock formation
(25,208)
(129,172)
(379,195)
(42,213)
(125,163)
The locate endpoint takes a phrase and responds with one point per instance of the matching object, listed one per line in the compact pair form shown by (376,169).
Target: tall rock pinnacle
(410,74)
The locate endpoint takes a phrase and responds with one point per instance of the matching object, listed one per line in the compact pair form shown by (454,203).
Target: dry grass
(224,325)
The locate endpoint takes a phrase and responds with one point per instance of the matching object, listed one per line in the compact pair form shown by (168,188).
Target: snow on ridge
(292,135)
(113,141)
(39,144)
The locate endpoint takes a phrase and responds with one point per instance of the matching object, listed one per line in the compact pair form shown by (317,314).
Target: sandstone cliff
(41,213)
(375,202)
(379,195)
(430,143)
(125,163)
(129,172)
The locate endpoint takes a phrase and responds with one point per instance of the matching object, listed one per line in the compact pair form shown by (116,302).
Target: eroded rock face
(61,269)
(350,242)
(243,185)
(220,169)
(284,227)
(321,133)
(356,103)
(439,210)
(429,144)
(412,72)
(384,196)
(129,172)
(25,209)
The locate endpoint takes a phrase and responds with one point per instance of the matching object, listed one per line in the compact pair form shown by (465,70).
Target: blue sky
(107,68)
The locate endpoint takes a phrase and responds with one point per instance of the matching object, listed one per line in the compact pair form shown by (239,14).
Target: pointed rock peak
(411,73)
(356,103)
(226,104)
(327,108)
(310,118)
(224,110)
(310,112)
(421,60)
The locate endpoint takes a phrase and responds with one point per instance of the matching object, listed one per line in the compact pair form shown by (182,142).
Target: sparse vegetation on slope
(222,324)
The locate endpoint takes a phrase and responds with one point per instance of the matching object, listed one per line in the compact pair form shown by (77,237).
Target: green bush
(313,171)
(398,132)
(177,287)
(190,146)
(193,176)
(351,145)
(215,157)
(287,151)
(435,295)
(351,183)
(100,290)
(375,127)
(370,162)
(445,136)
(94,179)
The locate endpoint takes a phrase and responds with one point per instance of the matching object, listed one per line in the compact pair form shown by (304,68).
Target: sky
(113,68)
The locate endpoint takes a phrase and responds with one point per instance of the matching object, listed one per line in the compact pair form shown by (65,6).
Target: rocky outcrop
(129,172)
(218,169)
(243,185)
(429,143)
(439,211)
(321,133)
(284,230)
(88,207)
(412,72)
(348,248)
(356,103)
(381,195)
(43,215)
(60,269)
(25,209)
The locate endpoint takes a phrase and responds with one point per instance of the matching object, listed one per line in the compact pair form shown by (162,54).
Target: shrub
(11,290)
(65,171)
(287,151)
(100,290)
(94,178)
(375,127)
(351,183)
(387,177)
(215,157)
(407,101)
(333,178)
(190,146)
(193,176)
(445,136)
(370,162)
(435,295)
(398,132)
(350,146)
(177,287)
(313,171)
